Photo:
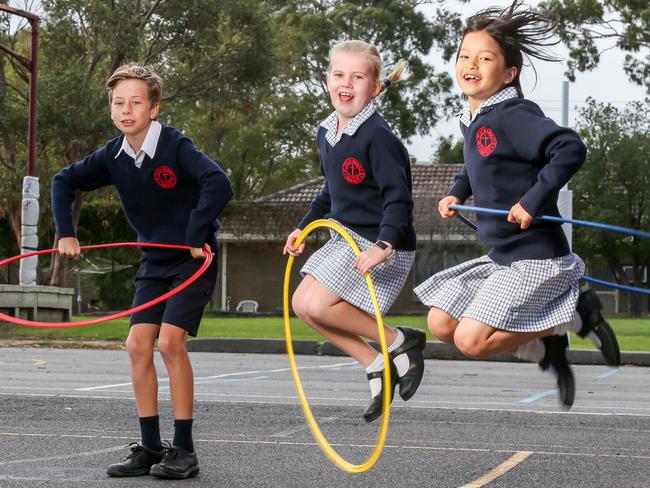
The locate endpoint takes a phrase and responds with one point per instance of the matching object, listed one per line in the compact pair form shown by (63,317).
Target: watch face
(381,245)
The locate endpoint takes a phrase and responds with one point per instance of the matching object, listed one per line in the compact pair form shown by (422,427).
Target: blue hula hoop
(550,218)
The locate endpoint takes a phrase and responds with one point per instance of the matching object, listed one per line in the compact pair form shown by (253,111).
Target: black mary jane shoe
(177,463)
(137,463)
(374,409)
(413,345)
(555,359)
(589,308)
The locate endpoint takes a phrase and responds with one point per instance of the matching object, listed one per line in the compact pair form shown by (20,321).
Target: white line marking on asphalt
(226,375)
(58,458)
(500,470)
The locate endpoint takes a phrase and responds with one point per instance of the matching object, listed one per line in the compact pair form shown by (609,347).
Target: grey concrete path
(66,414)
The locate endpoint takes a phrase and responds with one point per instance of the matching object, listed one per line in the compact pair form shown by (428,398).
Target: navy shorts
(184,310)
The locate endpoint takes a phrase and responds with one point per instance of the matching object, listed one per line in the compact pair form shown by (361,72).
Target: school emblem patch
(486,141)
(353,171)
(165,177)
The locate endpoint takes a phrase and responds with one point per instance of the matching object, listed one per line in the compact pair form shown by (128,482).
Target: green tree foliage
(612,186)
(449,151)
(589,27)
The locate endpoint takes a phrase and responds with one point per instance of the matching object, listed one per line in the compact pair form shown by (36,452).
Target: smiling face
(132,111)
(481,69)
(351,84)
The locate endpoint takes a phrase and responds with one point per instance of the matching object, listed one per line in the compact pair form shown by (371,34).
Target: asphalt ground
(65,415)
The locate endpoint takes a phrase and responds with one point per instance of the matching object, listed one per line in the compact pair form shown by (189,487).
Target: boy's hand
(69,246)
(519,216)
(443,207)
(197,252)
(289,247)
(369,259)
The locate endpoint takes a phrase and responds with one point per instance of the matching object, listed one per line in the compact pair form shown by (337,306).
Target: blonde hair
(136,72)
(374,58)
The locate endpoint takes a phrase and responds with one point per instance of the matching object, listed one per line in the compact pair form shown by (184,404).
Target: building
(253,234)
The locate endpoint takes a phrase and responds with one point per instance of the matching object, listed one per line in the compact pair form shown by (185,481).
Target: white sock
(574,326)
(401,362)
(531,351)
(375,383)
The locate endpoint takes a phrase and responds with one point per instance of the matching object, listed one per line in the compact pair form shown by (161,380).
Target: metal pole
(33,100)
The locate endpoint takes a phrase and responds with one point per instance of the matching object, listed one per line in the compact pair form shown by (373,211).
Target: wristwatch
(387,248)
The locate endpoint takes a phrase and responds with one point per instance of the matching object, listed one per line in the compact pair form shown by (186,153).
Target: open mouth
(346,97)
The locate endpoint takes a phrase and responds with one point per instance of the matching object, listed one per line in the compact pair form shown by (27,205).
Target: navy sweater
(174,198)
(513,153)
(367,184)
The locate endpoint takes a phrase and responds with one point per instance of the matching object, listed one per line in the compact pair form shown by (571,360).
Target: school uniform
(171,193)
(528,281)
(367,190)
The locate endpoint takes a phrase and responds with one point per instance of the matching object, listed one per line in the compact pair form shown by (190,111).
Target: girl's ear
(511,74)
(379,86)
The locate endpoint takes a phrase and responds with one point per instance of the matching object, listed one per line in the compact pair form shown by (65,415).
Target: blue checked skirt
(332,264)
(530,295)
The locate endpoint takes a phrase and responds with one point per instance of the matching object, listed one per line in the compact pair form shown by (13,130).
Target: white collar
(506,94)
(148,146)
(331,123)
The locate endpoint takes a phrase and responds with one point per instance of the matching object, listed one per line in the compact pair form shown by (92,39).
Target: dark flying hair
(518,31)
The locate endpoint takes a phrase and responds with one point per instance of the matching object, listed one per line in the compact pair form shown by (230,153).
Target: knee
(171,349)
(138,348)
(298,306)
(469,345)
(442,325)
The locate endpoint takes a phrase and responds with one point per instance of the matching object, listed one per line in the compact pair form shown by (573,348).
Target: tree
(590,27)
(612,187)
(449,151)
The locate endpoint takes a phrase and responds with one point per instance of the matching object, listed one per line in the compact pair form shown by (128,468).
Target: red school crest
(353,172)
(165,177)
(486,141)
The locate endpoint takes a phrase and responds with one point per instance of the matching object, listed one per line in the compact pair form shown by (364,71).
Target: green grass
(633,334)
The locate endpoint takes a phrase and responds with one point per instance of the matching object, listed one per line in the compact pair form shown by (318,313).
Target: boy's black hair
(517,31)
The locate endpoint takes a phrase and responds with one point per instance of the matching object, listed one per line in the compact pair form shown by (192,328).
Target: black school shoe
(555,359)
(373,410)
(413,345)
(589,308)
(137,463)
(177,463)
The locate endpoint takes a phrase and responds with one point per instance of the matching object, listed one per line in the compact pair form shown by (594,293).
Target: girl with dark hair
(522,296)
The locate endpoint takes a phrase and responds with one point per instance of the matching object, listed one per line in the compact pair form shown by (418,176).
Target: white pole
(565,199)
(29,231)
(224,276)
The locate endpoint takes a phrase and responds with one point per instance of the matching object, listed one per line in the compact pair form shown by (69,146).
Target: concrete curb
(433,350)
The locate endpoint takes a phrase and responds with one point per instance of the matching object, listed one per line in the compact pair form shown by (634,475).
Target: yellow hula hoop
(313,425)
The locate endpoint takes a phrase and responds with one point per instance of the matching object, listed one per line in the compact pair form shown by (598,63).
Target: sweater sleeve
(389,162)
(215,191)
(319,207)
(85,175)
(461,189)
(558,150)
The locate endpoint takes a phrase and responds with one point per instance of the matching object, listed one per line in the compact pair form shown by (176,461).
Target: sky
(608,83)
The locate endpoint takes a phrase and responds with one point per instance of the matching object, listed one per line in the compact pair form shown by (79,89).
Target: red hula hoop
(53,325)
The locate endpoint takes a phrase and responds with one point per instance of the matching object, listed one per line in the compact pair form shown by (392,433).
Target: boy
(171,193)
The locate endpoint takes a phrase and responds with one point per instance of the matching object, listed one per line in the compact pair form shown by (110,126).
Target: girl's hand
(369,259)
(289,247)
(69,246)
(519,216)
(443,207)
(197,252)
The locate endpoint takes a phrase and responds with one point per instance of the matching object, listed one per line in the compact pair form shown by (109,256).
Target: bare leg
(172,347)
(338,321)
(476,339)
(139,345)
(442,325)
